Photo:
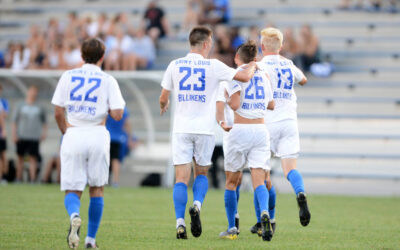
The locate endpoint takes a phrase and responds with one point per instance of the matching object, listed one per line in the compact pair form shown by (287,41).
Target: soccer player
(194,79)
(248,140)
(87,95)
(282,121)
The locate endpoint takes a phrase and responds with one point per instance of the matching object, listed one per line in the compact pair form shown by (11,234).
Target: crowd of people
(56,46)
(371,5)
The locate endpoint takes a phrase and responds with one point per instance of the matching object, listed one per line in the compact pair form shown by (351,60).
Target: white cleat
(73,234)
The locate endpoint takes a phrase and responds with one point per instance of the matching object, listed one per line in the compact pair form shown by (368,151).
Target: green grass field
(33,217)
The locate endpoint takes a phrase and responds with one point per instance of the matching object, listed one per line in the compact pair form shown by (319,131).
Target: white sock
(180,222)
(73,215)
(237,215)
(198,204)
(90,240)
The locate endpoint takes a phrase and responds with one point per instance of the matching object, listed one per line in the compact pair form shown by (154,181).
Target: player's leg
(271,201)
(182,157)
(96,207)
(180,197)
(98,155)
(289,146)
(237,198)
(230,198)
(262,195)
(203,150)
(72,204)
(73,181)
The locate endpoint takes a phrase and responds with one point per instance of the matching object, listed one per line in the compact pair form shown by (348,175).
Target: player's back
(87,93)
(195,81)
(254,97)
(283,74)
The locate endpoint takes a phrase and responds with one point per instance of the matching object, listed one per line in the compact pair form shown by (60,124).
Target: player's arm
(234,101)
(164,101)
(59,115)
(219,115)
(116,101)
(246,73)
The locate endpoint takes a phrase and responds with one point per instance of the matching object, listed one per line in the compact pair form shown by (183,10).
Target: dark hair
(247,51)
(92,50)
(199,35)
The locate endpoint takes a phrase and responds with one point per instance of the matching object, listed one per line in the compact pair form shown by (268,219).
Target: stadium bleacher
(349,123)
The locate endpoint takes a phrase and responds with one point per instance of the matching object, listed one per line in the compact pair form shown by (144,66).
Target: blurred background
(349,111)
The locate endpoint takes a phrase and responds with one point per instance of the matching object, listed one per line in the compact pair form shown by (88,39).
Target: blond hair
(272,39)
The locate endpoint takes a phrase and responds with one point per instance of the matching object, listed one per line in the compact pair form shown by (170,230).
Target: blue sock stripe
(72,203)
(180,198)
(96,206)
(230,206)
(200,188)
(271,202)
(296,180)
(257,208)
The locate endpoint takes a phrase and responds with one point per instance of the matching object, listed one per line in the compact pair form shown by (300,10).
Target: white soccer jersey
(228,112)
(254,97)
(87,93)
(195,80)
(283,74)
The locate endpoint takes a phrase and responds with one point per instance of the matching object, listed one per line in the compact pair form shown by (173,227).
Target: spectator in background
(21,57)
(36,45)
(290,45)
(223,49)
(55,56)
(28,129)
(3,134)
(215,11)
(144,52)
(308,48)
(72,56)
(236,38)
(120,135)
(155,21)
(191,17)
(53,164)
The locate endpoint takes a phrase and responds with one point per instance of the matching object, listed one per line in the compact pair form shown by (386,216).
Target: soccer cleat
(266,227)
(231,234)
(256,229)
(73,233)
(195,224)
(237,225)
(304,213)
(93,246)
(273,225)
(181,232)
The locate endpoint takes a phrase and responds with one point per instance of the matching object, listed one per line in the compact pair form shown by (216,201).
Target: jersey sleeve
(221,92)
(297,74)
(59,97)
(223,72)
(233,87)
(115,101)
(167,82)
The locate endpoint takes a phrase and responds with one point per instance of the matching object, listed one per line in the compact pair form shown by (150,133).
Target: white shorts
(285,142)
(247,143)
(85,157)
(185,147)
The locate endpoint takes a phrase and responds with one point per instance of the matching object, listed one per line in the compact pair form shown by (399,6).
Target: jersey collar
(195,55)
(91,67)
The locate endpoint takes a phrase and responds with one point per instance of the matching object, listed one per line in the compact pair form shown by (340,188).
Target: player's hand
(225,127)
(163,110)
